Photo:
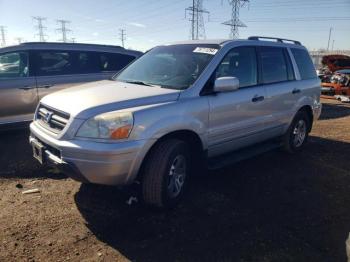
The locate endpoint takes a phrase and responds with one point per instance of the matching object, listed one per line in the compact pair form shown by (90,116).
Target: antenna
(19,40)
(329,37)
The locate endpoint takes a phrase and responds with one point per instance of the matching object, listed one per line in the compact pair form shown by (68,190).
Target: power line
(122,36)
(40,27)
(3,38)
(195,13)
(234,22)
(63,29)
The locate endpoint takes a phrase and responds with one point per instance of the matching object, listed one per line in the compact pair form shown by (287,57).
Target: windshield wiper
(138,83)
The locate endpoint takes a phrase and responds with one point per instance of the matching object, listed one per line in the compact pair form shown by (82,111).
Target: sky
(148,23)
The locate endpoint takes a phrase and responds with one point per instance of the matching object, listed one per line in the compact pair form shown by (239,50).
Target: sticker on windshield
(205,50)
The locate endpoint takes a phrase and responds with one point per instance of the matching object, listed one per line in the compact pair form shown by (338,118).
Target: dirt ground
(274,207)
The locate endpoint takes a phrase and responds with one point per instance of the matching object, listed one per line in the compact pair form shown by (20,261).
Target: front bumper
(94,162)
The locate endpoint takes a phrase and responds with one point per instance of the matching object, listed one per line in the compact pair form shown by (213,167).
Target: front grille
(52,119)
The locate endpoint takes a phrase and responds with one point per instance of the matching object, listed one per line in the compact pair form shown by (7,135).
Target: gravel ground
(274,207)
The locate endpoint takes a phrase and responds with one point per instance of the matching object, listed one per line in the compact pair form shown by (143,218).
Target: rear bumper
(94,162)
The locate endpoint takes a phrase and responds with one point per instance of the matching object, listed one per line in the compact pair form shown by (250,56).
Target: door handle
(44,86)
(258,98)
(296,91)
(26,87)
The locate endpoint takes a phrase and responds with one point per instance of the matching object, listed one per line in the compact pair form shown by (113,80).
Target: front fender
(150,124)
(188,114)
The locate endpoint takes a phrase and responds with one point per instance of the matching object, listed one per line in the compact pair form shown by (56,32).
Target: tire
(297,134)
(162,185)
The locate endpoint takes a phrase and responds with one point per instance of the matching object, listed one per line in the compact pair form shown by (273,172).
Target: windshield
(174,66)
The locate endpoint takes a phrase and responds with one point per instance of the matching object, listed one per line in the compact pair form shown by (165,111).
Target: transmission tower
(40,27)
(2,33)
(63,29)
(122,36)
(234,22)
(195,13)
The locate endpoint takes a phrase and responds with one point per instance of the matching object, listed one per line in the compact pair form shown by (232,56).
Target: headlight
(112,125)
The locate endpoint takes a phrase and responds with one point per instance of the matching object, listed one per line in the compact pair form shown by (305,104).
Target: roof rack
(280,40)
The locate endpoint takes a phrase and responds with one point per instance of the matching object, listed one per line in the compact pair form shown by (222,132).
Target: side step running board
(242,154)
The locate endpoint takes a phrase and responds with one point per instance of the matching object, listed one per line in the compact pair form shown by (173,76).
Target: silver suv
(30,71)
(180,107)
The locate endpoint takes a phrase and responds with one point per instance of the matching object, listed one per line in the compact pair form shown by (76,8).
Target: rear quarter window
(113,61)
(304,63)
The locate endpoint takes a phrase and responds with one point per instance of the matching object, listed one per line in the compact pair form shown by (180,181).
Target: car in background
(336,83)
(344,71)
(30,71)
(336,62)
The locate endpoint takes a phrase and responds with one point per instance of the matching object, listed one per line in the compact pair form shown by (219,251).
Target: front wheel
(165,173)
(298,132)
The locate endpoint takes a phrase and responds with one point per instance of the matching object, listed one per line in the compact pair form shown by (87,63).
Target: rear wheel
(298,132)
(165,173)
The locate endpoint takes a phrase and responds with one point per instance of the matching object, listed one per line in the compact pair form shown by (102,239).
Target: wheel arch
(194,141)
(308,110)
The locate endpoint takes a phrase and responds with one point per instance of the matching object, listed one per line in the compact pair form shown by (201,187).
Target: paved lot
(274,207)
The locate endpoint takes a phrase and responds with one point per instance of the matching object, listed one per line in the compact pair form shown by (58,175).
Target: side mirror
(226,84)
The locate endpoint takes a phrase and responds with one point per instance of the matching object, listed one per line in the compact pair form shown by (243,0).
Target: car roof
(69,46)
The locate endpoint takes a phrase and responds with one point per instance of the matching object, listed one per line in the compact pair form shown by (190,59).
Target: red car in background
(337,80)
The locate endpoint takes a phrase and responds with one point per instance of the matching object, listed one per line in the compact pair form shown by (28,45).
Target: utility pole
(40,27)
(19,40)
(63,29)
(195,13)
(122,36)
(234,22)
(329,37)
(2,33)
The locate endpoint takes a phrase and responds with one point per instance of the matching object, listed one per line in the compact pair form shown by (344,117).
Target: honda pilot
(178,108)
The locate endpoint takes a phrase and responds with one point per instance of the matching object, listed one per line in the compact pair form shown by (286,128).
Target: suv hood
(93,98)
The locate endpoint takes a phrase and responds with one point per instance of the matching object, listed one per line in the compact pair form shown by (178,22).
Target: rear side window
(304,63)
(54,63)
(113,61)
(275,66)
(14,65)
(240,62)
(62,62)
